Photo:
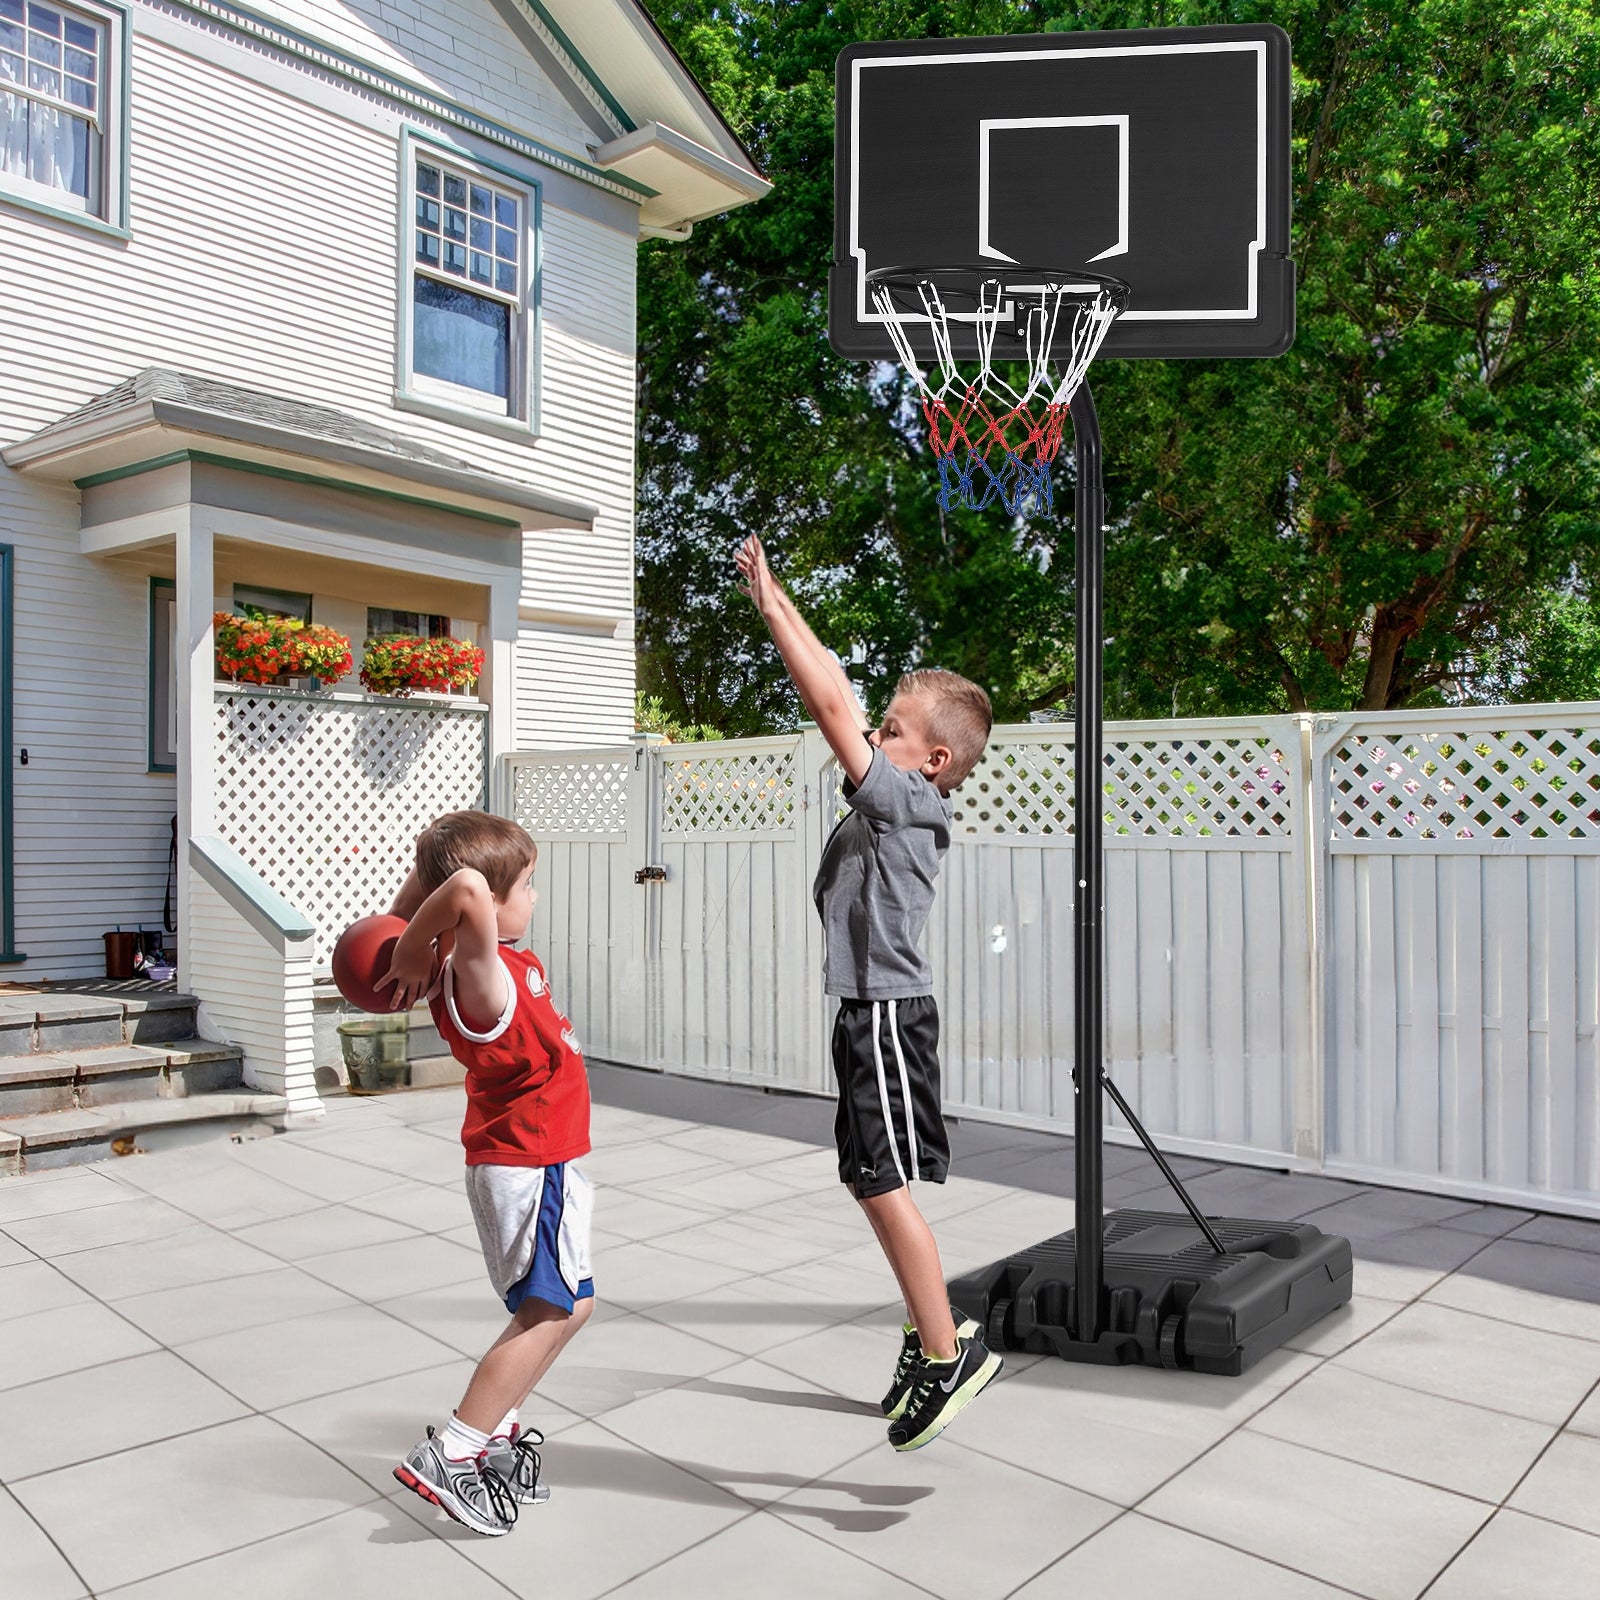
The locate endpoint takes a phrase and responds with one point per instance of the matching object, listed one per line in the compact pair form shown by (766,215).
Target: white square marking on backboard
(1120,123)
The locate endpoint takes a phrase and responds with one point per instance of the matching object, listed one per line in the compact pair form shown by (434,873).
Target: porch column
(500,669)
(197,744)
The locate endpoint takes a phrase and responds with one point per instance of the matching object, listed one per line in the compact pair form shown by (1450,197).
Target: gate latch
(650,875)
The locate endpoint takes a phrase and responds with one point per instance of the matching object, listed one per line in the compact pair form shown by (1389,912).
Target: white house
(330,307)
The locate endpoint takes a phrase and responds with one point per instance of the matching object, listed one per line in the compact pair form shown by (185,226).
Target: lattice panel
(1199,788)
(571,797)
(747,792)
(325,798)
(1523,784)
(1016,789)
(1178,788)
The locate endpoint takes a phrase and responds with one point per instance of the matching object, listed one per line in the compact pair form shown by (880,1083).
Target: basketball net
(994,441)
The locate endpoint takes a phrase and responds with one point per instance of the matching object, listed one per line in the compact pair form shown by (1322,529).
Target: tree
(1360,522)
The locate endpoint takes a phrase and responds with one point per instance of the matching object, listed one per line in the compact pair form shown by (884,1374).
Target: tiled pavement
(211,1357)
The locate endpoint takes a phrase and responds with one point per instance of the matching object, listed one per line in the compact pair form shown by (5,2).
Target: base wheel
(999,1330)
(1171,1343)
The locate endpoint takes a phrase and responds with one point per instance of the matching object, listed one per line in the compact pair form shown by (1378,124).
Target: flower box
(402,664)
(262,649)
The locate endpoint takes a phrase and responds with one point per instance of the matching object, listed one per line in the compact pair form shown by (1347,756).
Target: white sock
(507,1423)
(461,1443)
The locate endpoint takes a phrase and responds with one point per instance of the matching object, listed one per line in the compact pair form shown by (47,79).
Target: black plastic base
(1170,1299)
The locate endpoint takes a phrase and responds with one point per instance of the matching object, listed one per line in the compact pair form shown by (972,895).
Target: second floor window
(467,330)
(53,121)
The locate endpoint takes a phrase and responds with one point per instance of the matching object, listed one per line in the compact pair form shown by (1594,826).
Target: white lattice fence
(1465,784)
(324,795)
(584,796)
(1157,786)
(744,789)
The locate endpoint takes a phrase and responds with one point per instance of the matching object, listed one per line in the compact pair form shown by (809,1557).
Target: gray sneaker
(515,1458)
(471,1491)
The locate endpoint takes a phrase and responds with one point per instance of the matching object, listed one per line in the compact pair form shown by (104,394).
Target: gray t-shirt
(875,885)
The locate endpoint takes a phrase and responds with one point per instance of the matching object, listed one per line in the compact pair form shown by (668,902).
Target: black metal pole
(1088,858)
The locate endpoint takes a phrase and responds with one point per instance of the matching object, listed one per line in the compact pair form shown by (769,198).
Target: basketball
(362,957)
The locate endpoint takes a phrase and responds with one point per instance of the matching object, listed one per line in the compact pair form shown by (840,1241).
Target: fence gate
(674,911)
(588,810)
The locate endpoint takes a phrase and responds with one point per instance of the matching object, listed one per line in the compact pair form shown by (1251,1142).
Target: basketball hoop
(993,440)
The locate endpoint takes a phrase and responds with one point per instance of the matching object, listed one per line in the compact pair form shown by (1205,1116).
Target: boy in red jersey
(468,901)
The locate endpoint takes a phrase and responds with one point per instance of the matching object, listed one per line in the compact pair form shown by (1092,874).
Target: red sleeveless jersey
(527,1091)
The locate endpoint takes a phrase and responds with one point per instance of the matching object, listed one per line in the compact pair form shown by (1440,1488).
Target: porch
(294,813)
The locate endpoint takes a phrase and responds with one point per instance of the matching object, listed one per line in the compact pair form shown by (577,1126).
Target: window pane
(482,235)
(46,50)
(81,62)
(10,66)
(460,337)
(13,135)
(480,200)
(428,213)
(43,79)
(80,93)
(83,35)
(480,267)
(43,20)
(428,248)
(11,36)
(505,244)
(58,150)
(455,190)
(505,277)
(505,211)
(455,224)
(427,179)
(11,10)
(455,258)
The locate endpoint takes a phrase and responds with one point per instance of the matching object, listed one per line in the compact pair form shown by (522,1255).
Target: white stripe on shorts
(905,1091)
(883,1089)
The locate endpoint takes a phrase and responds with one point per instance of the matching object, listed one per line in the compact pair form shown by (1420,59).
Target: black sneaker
(471,1491)
(942,1389)
(910,1354)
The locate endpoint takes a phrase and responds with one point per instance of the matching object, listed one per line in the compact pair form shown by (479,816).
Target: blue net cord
(969,479)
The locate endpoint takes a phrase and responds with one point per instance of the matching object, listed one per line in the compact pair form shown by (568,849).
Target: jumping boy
(874,890)
(467,902)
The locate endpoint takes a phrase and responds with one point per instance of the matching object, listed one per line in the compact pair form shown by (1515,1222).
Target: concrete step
(100,1075)
(69,1138)
(52,1018)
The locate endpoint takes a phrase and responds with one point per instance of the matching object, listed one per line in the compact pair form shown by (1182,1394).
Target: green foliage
(1388,515)
(651,716)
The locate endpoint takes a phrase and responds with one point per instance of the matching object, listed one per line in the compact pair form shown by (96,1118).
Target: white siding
(574,687)
(271,263)
(256,997)
(92,824)
(463,51)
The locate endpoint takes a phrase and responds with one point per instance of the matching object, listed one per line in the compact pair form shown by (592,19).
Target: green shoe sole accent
(958,1402)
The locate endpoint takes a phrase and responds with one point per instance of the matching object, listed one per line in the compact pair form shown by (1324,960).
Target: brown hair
(958,716)
(499,849)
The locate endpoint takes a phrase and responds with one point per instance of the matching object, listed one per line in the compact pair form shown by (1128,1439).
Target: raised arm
(826,692)
(464,907)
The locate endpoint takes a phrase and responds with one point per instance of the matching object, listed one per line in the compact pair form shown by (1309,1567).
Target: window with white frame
(58,138)
(468,248)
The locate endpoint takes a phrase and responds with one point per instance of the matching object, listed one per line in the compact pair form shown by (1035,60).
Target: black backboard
(1160,156)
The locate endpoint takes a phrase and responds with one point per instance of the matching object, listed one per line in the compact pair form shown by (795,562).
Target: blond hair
(499,849)
(958,716)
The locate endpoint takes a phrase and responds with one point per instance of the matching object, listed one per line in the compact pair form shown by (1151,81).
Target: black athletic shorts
(890,1123)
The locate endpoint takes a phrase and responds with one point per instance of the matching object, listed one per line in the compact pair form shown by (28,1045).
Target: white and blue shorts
(533,1224)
